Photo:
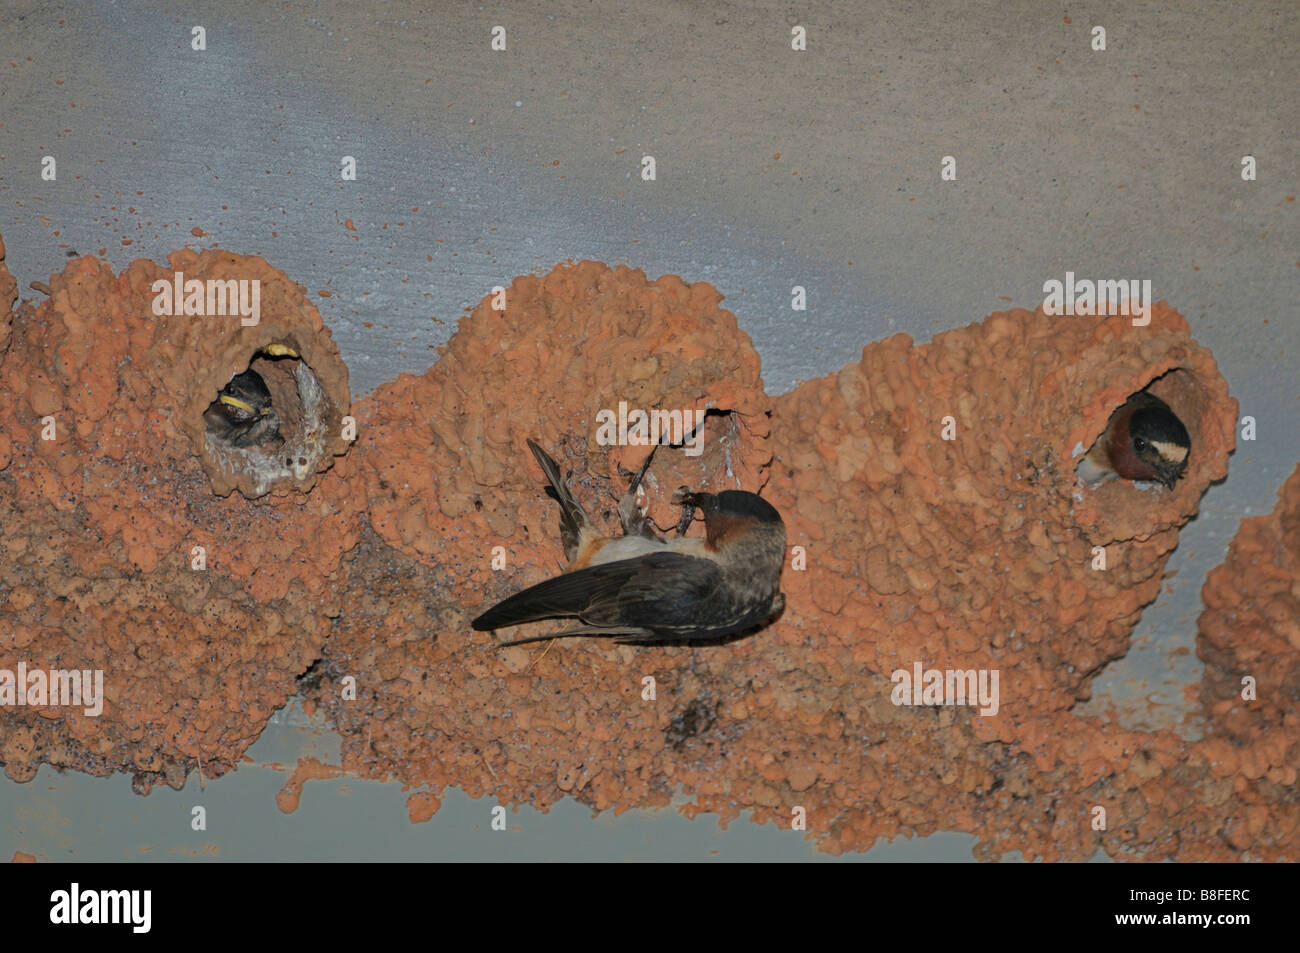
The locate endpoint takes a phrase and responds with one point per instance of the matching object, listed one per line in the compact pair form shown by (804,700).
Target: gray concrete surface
(1122,163)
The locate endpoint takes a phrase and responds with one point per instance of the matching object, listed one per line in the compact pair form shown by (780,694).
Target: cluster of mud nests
(193,506)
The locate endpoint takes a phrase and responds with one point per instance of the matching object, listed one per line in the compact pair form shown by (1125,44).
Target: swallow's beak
(1169,480)
(705,502)
(238,404)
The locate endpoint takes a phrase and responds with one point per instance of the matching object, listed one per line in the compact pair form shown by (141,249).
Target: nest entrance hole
(268,420)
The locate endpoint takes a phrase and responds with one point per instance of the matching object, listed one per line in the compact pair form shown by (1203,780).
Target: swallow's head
(1160,441)
(245,398)
(734,516)
(737,504)
(729,503)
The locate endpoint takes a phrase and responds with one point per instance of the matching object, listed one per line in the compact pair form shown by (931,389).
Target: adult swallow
(641,588)
(242,415)
(1143,440)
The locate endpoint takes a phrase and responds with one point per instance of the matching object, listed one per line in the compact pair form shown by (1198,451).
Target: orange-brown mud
(976,552)
(112,499)
(307,769)
(1249,638)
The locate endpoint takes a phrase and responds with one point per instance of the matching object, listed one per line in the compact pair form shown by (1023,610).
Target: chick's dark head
(245,397)
(1161,442)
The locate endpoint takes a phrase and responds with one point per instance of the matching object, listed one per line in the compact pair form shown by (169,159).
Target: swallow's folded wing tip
(566,595)
(619,633)
(576,593)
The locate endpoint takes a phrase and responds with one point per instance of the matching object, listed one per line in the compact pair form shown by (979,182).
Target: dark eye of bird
(1139,443)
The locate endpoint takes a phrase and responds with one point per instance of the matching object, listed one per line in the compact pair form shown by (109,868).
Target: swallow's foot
(685,496)
(687,501)
(630,512)
(630,515)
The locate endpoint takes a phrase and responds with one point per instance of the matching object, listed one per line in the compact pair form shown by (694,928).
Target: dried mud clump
(451,479)
(931,505)
(934,489)
(981,552)
(121,553)
(975,552)
(1251,630)
(444,453)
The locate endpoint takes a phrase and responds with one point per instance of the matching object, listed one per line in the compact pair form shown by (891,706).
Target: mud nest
(120,552)
(930,500)
(979,551)
(1250,641)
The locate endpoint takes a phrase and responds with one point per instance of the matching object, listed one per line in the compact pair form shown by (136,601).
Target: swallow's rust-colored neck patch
(1120,450)
(722,528)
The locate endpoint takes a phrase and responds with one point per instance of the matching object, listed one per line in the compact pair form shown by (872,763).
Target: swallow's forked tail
(573,518)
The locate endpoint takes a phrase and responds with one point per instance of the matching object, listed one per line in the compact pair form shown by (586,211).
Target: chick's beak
(238,404)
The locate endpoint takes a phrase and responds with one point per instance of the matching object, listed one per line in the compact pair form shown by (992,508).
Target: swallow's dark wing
(667,592)
(645,593)
(568,594)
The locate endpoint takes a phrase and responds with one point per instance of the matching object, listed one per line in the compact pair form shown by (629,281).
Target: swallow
(242,415)
(643,589)
(1143,440)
